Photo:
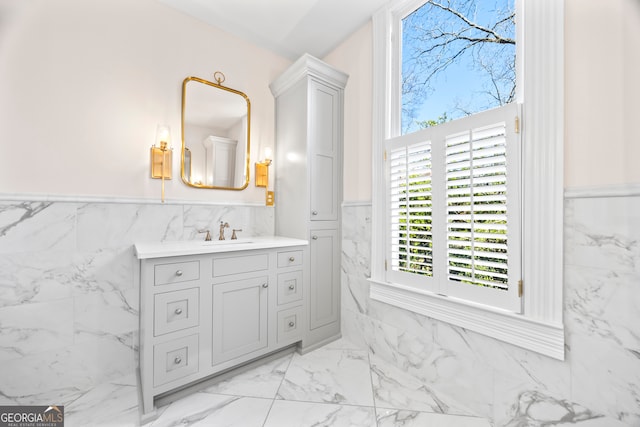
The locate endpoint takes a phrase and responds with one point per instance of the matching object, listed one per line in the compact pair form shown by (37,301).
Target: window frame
(540,87)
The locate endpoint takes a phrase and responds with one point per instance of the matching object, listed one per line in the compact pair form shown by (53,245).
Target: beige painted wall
(602,88)
(84,84)
(602,45)
(355,57)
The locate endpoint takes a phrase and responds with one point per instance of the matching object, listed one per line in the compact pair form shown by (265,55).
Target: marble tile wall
(68,313)
(68,293)
(462,372)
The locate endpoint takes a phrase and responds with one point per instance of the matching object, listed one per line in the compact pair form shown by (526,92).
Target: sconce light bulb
(163,136)
(268,154)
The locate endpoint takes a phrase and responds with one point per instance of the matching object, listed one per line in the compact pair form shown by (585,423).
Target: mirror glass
(215,135)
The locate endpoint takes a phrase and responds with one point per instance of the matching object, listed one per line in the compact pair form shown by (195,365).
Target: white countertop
(196,247)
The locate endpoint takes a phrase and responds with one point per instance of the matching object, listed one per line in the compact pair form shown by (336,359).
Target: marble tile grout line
(273,400)
(373,391)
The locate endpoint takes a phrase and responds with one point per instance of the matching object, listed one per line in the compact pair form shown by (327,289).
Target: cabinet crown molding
(308,65)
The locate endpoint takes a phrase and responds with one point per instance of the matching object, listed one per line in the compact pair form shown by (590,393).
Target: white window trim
(541,87)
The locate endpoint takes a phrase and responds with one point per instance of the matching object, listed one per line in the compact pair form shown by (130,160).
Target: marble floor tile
(261,381)
(329,376)
(206,409)
(534,408)
(329,387)
(402,418)
(305,414)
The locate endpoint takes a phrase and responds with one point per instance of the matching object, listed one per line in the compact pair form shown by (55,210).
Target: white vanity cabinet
(207,307)
(309,132)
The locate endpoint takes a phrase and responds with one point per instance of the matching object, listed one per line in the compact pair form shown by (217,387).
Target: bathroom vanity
(207,307)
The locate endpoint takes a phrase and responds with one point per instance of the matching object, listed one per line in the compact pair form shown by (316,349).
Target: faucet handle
(208,236)
(233,235)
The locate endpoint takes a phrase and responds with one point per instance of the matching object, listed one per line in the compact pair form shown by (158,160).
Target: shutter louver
(476,199)
(411,209)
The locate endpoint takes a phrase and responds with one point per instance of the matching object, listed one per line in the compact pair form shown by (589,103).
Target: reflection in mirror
(187,164)
(215,135)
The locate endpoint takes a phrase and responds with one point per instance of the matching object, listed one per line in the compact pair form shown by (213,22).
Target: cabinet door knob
(179,273)
(292,287)
(265,285)
(178,310)
(314,213)
(291,259)
(291,324)
(177,360)
(314,237)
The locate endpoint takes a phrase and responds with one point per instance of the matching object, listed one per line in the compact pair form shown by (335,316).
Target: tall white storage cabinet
(309,132)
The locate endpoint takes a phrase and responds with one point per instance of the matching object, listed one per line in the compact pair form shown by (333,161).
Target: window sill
(516,329)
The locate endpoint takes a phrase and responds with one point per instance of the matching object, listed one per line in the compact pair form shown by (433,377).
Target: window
(448,240)
(457,58)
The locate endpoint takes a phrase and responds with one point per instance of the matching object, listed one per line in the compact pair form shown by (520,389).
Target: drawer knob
(178,310)
(265,285)
(179,273)
(291,324)
(314,237)
(292,287)
(177,360)
(314,213)
(291,259)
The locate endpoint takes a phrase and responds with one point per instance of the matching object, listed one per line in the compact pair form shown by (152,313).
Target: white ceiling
(287,27)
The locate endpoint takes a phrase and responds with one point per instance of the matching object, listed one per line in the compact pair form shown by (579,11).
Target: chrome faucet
(223,225)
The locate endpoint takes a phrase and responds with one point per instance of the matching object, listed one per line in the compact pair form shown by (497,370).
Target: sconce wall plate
(157,157)
(262,174)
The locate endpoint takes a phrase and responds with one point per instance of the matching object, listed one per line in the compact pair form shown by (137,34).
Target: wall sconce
(262,175)
(161,155)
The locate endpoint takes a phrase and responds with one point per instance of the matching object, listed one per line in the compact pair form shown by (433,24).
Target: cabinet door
(239,318)
(325,129)
(324,307)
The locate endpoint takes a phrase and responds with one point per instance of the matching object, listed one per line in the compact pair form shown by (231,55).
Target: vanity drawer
(289,259)
(289,325)
(165,274)
(289,287)
(240,264)
(174,311)
(175,359)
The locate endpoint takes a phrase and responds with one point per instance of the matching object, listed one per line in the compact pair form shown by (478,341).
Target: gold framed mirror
(216,123)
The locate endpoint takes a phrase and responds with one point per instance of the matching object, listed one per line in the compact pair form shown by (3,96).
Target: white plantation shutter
(476,168)
(410,201)
(454,208)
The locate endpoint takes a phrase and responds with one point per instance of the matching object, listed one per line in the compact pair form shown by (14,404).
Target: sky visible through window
(458,58)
